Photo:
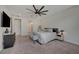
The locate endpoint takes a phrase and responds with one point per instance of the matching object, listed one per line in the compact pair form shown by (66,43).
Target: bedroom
(63,17)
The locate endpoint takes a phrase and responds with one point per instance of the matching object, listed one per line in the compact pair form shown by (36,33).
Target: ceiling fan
(38,11)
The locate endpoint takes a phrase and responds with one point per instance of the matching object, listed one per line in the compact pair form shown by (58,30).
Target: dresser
(8,40)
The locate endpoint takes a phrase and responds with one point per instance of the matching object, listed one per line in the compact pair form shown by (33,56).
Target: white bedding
(45,37)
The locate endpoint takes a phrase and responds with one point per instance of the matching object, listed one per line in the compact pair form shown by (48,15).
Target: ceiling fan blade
(41,8)
(45,11)
(39,14)
(34,8)
(29,10)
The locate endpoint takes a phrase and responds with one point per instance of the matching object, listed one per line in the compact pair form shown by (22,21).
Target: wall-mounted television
(5,22)
(55,29)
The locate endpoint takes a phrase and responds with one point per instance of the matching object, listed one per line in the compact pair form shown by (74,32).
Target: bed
(44,37)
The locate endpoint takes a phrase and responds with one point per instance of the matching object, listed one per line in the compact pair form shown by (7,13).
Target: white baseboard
(76,43)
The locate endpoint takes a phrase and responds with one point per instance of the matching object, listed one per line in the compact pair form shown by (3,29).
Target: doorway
(17,26)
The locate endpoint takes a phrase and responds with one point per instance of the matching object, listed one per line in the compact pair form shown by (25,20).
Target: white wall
(24,25)
(1,30)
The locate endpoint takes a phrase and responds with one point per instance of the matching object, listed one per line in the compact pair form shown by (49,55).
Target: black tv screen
(5,20)
(55,29)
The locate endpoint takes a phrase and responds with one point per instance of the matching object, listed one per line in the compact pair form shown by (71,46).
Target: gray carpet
(24,45)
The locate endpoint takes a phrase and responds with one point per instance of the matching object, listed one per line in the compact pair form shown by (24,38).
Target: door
(17,26)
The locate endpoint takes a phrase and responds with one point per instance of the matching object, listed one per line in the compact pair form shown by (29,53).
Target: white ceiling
(21,9)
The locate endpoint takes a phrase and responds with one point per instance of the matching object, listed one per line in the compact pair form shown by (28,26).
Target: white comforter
(45,37)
